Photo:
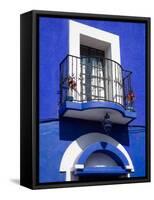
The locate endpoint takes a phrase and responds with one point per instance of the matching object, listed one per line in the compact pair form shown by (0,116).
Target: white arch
(76,148)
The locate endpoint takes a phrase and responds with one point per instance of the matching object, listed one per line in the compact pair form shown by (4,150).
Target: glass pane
(92,59)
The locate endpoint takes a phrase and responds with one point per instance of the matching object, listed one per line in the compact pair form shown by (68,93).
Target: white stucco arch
(77,147)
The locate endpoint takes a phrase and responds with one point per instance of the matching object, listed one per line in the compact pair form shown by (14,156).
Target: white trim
(77,29)
(68,175)
(128,175)
(79,166)
(77,147)
(110,43)
(127,167)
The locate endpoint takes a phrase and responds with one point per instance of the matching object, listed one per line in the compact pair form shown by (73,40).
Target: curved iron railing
(85,79)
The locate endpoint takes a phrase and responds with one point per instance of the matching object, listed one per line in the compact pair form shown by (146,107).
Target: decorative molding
(77,147)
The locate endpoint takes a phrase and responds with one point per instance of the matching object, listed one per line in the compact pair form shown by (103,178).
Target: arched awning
(114,161)
(78,146)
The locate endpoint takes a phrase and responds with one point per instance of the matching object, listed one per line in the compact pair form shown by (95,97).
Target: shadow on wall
(71,129)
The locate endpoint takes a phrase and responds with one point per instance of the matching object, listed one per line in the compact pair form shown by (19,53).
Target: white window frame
(83,34)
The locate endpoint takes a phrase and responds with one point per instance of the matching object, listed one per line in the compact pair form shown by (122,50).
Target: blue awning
(116,170)
(109,149)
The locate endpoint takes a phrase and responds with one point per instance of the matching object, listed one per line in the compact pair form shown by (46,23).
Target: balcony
(90,87)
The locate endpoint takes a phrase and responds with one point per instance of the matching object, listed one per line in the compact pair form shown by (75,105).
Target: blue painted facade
(57,134)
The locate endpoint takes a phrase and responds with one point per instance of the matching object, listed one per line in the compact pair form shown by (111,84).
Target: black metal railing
(85,79)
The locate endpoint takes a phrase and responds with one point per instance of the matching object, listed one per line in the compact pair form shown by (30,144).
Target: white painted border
(77,147)
(76,29)
(107,41)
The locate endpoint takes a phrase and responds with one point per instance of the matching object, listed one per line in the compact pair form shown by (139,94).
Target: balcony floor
(96,110)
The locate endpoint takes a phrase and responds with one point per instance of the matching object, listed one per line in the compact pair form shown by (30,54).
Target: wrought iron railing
(85,79)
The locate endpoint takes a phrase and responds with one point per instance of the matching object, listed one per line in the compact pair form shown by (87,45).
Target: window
(92,73)
(96,77)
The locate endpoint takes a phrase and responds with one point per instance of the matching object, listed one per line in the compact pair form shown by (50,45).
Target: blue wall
(55,136)
(54,47)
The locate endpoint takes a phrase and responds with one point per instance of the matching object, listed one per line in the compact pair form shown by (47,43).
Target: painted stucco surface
(54,47)
(55,136)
